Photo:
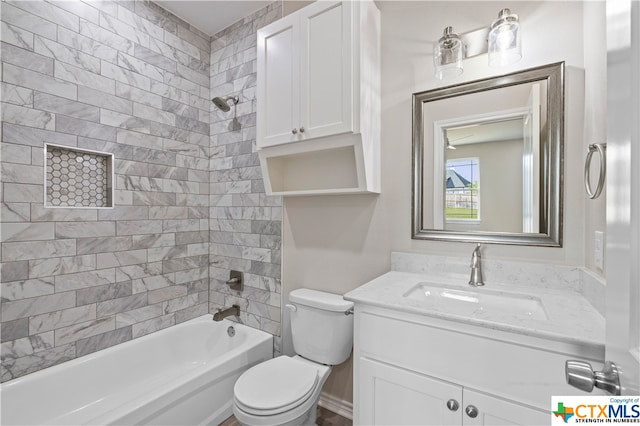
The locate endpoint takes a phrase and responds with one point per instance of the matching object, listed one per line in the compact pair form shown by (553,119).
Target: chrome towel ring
(601,149)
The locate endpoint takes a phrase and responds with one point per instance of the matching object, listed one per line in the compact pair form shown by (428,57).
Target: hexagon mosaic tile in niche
(78,178)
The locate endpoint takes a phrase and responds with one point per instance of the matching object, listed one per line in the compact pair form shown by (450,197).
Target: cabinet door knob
(471,411)
(453,405)
(301,129)
(294,131)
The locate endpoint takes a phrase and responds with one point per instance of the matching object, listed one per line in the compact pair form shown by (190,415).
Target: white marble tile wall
(246,225)
(124,77)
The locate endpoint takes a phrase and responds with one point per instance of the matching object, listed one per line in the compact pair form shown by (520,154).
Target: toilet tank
(320,329)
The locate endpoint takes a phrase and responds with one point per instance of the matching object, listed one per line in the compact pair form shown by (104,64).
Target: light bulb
(447,55)
(504,40)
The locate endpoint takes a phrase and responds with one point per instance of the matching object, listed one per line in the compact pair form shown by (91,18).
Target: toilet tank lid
(320,300)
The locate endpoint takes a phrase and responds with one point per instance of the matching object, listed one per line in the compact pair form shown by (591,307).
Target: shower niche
(318,100)
(77,178)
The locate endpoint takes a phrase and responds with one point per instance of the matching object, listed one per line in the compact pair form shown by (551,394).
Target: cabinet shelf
(332,166)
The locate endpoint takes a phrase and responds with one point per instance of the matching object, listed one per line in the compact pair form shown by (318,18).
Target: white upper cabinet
(305,75)
(279,82)
(318,100)
(326,80)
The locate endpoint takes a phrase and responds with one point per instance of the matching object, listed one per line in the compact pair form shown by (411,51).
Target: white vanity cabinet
(391,395)
(318,99)
(413,369)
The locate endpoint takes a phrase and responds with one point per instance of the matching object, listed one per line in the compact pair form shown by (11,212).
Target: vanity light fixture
(501,41)
(448,54)
(504,40)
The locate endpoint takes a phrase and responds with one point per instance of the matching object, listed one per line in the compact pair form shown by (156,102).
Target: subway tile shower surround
(131,79)
(246,224)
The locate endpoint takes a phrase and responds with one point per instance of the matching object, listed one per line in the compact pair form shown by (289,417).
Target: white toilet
(285,390)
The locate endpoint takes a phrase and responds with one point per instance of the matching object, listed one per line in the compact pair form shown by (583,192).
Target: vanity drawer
(466,354)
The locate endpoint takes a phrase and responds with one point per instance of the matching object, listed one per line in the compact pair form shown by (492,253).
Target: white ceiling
(211,16)
(487,132)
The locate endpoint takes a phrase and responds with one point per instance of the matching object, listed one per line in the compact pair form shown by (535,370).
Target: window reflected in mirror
(462,190)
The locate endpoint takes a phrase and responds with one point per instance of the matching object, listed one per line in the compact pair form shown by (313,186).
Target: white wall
(336,243)
(595,123)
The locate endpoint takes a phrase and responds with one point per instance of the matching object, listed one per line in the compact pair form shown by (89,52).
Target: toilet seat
(275,386)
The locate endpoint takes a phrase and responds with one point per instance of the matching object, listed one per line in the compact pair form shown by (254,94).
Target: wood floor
(325,418)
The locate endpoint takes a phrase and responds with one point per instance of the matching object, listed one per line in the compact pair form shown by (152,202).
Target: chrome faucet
(223,313)
(476,268)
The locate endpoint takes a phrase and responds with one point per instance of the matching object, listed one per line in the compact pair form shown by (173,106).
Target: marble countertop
(570,317)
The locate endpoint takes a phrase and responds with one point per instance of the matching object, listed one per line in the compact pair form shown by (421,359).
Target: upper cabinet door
(326,67)
(278,82)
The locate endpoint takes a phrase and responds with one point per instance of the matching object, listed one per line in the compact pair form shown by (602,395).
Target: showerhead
(223,103)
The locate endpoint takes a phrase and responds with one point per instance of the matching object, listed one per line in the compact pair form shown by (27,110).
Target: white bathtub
(183,375)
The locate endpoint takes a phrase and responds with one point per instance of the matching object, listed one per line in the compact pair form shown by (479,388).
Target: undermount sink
(479,303)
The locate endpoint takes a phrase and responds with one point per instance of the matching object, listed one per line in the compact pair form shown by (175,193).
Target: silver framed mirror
(488,160)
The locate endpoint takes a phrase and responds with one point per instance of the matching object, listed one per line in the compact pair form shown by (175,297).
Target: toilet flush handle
(293,308)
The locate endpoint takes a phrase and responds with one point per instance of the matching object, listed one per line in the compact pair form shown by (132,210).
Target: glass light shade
(504,40)
(447,55)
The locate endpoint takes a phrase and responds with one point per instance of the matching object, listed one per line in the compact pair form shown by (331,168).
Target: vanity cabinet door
(494,411)
(391,395)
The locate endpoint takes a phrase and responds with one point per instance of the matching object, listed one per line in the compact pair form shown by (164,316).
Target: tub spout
(223,313)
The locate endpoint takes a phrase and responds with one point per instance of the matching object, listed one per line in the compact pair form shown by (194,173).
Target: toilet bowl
(282,391)
(286,390)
